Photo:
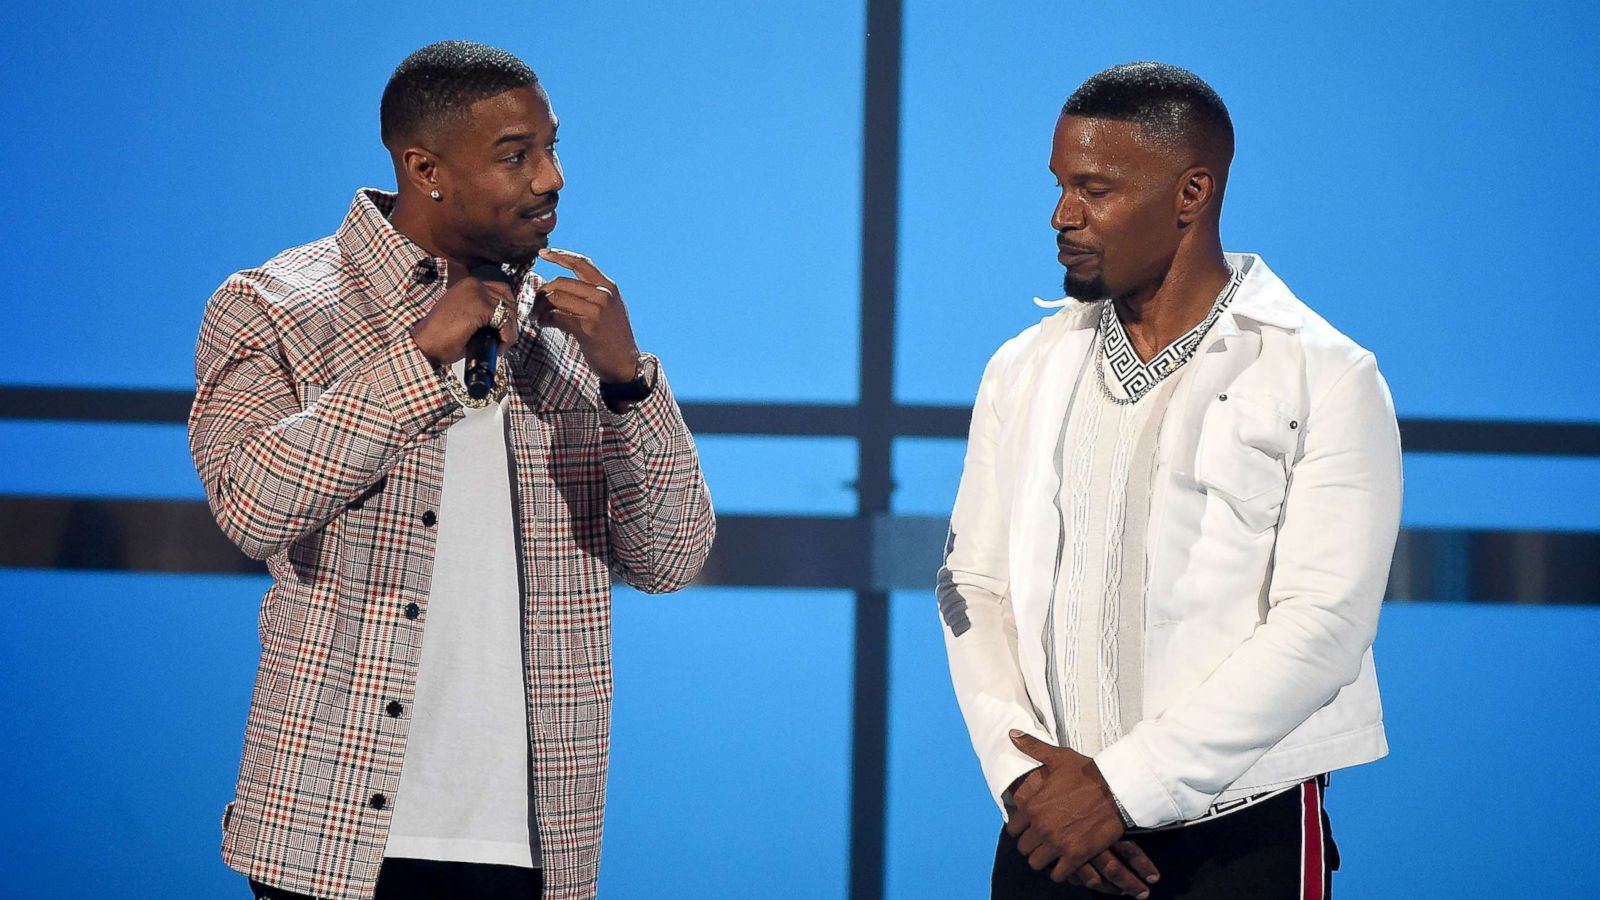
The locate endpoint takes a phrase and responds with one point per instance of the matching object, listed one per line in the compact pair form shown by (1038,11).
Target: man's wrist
(1127,820)
(434,361)
(619,397)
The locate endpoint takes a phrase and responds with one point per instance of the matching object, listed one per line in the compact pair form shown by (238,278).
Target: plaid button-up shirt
(319,430)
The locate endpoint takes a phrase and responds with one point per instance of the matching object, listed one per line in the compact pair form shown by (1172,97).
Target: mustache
(1074,247)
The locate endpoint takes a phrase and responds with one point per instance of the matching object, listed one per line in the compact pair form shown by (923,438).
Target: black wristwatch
(618,396)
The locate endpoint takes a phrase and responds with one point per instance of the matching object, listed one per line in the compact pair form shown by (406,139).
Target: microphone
(483,348)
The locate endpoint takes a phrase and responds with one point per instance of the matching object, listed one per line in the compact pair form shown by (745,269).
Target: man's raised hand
(589,307)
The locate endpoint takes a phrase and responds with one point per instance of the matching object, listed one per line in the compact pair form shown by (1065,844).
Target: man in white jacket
(1172,536)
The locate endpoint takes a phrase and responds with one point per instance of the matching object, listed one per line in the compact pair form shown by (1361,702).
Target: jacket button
(413,610)
(356,504)
(394,709)
(427,272)
(430,518)
(378,801)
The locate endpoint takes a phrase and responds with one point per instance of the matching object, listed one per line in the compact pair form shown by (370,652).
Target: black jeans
(429,879)
(1256,853)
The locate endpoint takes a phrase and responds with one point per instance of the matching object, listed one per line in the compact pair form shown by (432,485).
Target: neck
(410,218)
(1162,312)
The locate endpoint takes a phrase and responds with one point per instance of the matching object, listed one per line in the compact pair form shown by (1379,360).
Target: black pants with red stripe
(1278,849)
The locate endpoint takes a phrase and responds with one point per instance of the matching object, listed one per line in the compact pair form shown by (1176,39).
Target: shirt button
(394,709)
(1222,396)
(430,518)
(413,610)
(378,801)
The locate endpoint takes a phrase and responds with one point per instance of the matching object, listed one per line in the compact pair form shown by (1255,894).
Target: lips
(1072,255)
(542,217)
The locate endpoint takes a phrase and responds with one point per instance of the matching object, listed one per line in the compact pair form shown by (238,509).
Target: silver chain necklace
(1167,361)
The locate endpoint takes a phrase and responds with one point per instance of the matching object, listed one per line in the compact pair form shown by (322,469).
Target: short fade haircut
(1171,104)
(435,85)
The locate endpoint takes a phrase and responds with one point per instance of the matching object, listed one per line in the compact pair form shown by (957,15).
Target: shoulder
(298,281)
(1018,355)
(1324,352)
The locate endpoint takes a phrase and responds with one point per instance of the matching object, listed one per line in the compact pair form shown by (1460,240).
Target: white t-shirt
(464,785)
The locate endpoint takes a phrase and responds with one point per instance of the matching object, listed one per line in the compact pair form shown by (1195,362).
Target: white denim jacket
(1275,506)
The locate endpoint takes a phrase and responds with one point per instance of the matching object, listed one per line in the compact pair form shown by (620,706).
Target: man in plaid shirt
(431,713)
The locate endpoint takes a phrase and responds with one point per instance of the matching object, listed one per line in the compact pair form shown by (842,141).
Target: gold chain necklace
(497,390)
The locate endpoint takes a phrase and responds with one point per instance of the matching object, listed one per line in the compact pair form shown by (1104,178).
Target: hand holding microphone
(483,348)
(464,313)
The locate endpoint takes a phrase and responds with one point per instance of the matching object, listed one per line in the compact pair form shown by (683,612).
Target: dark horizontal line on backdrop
(882,554)
(1486,436)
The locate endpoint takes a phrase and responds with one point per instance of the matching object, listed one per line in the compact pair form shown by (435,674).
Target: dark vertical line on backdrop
(880,202)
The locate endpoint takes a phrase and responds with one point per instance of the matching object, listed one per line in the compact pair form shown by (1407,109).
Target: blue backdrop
(1417,172)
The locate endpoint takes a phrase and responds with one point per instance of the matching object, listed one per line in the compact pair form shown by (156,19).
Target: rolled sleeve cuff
(649,424)
(1136,784)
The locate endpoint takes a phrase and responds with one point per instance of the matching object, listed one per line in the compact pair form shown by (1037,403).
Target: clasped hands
(1067,821)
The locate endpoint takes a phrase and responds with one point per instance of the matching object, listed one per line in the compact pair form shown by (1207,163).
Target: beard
(518,255)
(1085,289)
(498,246)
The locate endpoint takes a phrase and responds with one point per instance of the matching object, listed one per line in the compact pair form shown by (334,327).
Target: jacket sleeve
(980,630)
(1340,519)
(660,517)
(272,470)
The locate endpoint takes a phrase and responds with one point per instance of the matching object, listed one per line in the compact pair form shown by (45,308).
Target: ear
(420,168)
(1197,190)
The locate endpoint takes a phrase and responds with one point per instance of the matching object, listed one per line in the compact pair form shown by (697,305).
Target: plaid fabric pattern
(318,430)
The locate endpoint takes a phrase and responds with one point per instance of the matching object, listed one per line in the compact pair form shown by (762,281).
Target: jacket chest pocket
(1245,444)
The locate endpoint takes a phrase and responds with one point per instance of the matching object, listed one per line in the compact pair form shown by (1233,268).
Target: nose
(1068,213)
(548,179)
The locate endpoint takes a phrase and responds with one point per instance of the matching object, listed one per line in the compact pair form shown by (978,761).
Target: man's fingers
(1030,745)
(510,327)
(1041,858)
(1137,861)
(573,301)
(1029,841)
(598,293)
(576,263)
(497,290)
(1087,876)
(1029,786)
(1063,875)
(1017,824)
(1119,875)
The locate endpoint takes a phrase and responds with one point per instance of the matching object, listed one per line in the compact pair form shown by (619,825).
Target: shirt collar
(1262,297)
(392,264)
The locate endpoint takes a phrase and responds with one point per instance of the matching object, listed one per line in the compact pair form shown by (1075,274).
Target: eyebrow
(1106,174)
(522,137)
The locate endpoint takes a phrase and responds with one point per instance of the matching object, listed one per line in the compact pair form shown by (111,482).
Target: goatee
(1088,290)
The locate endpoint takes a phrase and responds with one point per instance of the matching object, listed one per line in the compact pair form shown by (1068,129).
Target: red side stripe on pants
(1312,873)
